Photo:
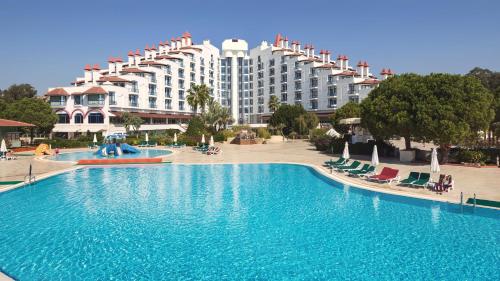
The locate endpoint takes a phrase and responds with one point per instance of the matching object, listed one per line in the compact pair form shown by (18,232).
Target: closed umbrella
(211,141)
(95,139)
(175,138)
(203,139)
(3,148)
(375,161)
(434,162)
(345,154)
(146,137)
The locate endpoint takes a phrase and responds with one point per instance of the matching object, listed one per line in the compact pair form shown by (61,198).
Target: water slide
(114,149)
(43,149)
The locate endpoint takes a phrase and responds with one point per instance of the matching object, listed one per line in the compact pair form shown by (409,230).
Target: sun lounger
(423,180)
(213,150)
(439,186)
(339,161)
(362,172)
(386,175)
(413,177)
(354,165)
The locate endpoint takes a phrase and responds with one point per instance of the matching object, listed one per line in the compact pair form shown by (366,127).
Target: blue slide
(128,148)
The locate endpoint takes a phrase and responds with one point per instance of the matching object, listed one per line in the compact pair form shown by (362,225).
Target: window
(271,62)
(331,78)
(181,84)
(152,89)
(58,100)
(112,98)
(134,88)
(63,118)
(283,78)
(181,94)
(284,68)
(181,73)
(314,82)
(168,81)
(168,104)
(332,91)
(271,80)
(284,87)
(152,102)
(96,118)
(168,92)
(271,90)
(351,89)
(77,99)
(298,75)
(298,85)
(78,118)
(271,71)
(95,100)
(181,105)
(284,97)
(314,104)
(332,103)
(133,100)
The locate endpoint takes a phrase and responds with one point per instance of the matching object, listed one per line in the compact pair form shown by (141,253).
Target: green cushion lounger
(354,165)
(413,177)
(423,180)
(339,161)
(365,169)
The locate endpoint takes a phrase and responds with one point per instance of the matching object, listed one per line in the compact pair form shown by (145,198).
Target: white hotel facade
(153,84)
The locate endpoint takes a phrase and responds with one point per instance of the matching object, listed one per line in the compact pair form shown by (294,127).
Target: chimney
(118,65)
(130,58)
(160,47)
(298,47)
(111,65)
(366,69)
(174,44)
(146,51)
(286,42)
(137,59)
(188,38)
(293,46)
(95,73)
(180,43)
(311,52)
(346,62)
(383,73)
(306,48)
(323,56)
(152,51)
(87,73)
(327,53)
(166,47)
(361,69)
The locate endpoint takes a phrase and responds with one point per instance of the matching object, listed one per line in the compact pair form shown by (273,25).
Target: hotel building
(153,84)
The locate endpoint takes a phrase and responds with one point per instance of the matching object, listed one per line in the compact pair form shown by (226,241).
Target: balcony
(133,103)
(58,103)
(152,105)
(95,103)
(313,96)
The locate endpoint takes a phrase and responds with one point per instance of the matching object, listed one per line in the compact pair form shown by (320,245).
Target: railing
(57,103)
(95,102)
(133,104)
(313,96)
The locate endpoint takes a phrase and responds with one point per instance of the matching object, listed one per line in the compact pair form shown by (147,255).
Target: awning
(350,121)
(12,123)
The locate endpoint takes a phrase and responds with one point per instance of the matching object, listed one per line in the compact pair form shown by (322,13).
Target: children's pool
(75,156)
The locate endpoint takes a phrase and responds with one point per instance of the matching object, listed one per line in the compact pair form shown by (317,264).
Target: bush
(263,133)
(317,133)
(63,143)
(196,127)
(323,143)
(238,128)
(471,156)
(188,140)
(220,137)
(228,134)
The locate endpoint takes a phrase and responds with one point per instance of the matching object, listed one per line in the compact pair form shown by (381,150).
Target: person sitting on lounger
(448,183)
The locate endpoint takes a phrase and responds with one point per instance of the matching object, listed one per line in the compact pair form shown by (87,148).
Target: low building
(10,131)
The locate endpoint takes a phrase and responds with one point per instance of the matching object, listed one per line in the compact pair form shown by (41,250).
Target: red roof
(347,73)
(150,62)
(192,48)
(57,92)
(12,123)
(166,57)
(326,65)
(369,82)
(112,79)
(135,70)
(186,34)
(277,40)
(96,67)
(88,67)
(96,90)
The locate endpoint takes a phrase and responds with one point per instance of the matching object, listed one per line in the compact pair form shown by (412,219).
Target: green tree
(286,115)
(30,110)
(305,122)
(348,110)
(198,97)
(132,121)
(18,92)
(274,103)
(395,108)
(196,127)
(457,108)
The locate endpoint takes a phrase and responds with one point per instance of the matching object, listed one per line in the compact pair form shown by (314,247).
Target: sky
(47,43)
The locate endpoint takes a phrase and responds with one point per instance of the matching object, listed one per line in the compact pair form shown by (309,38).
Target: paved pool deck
(484,182)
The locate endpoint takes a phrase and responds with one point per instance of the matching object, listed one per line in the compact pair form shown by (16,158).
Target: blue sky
(47,43)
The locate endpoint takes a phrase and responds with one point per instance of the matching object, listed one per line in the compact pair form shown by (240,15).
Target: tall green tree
(395,108)
(198,97)
(286,115)
(133,122)
(348,110)
(18,92)
(31,110)
(458,107)
(274,103)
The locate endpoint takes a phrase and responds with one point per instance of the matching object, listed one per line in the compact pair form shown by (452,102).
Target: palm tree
(198,96)
(274,103)
(225,117)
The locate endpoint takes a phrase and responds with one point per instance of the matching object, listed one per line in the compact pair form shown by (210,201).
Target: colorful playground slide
(115,149)
(43,149)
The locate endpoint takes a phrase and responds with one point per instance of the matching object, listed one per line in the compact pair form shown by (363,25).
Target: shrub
(238,128)
(188,140)
(471,156)
(220,137)
(228,134)
(263,133)
(323,143)
(317,133)
(293,135)
(196,127)
(63,143)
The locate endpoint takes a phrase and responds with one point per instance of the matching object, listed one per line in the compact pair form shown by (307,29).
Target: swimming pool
(75,156)
(251,221)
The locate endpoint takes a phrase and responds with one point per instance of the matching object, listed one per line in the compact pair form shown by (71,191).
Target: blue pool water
(236,222)
(75,156)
